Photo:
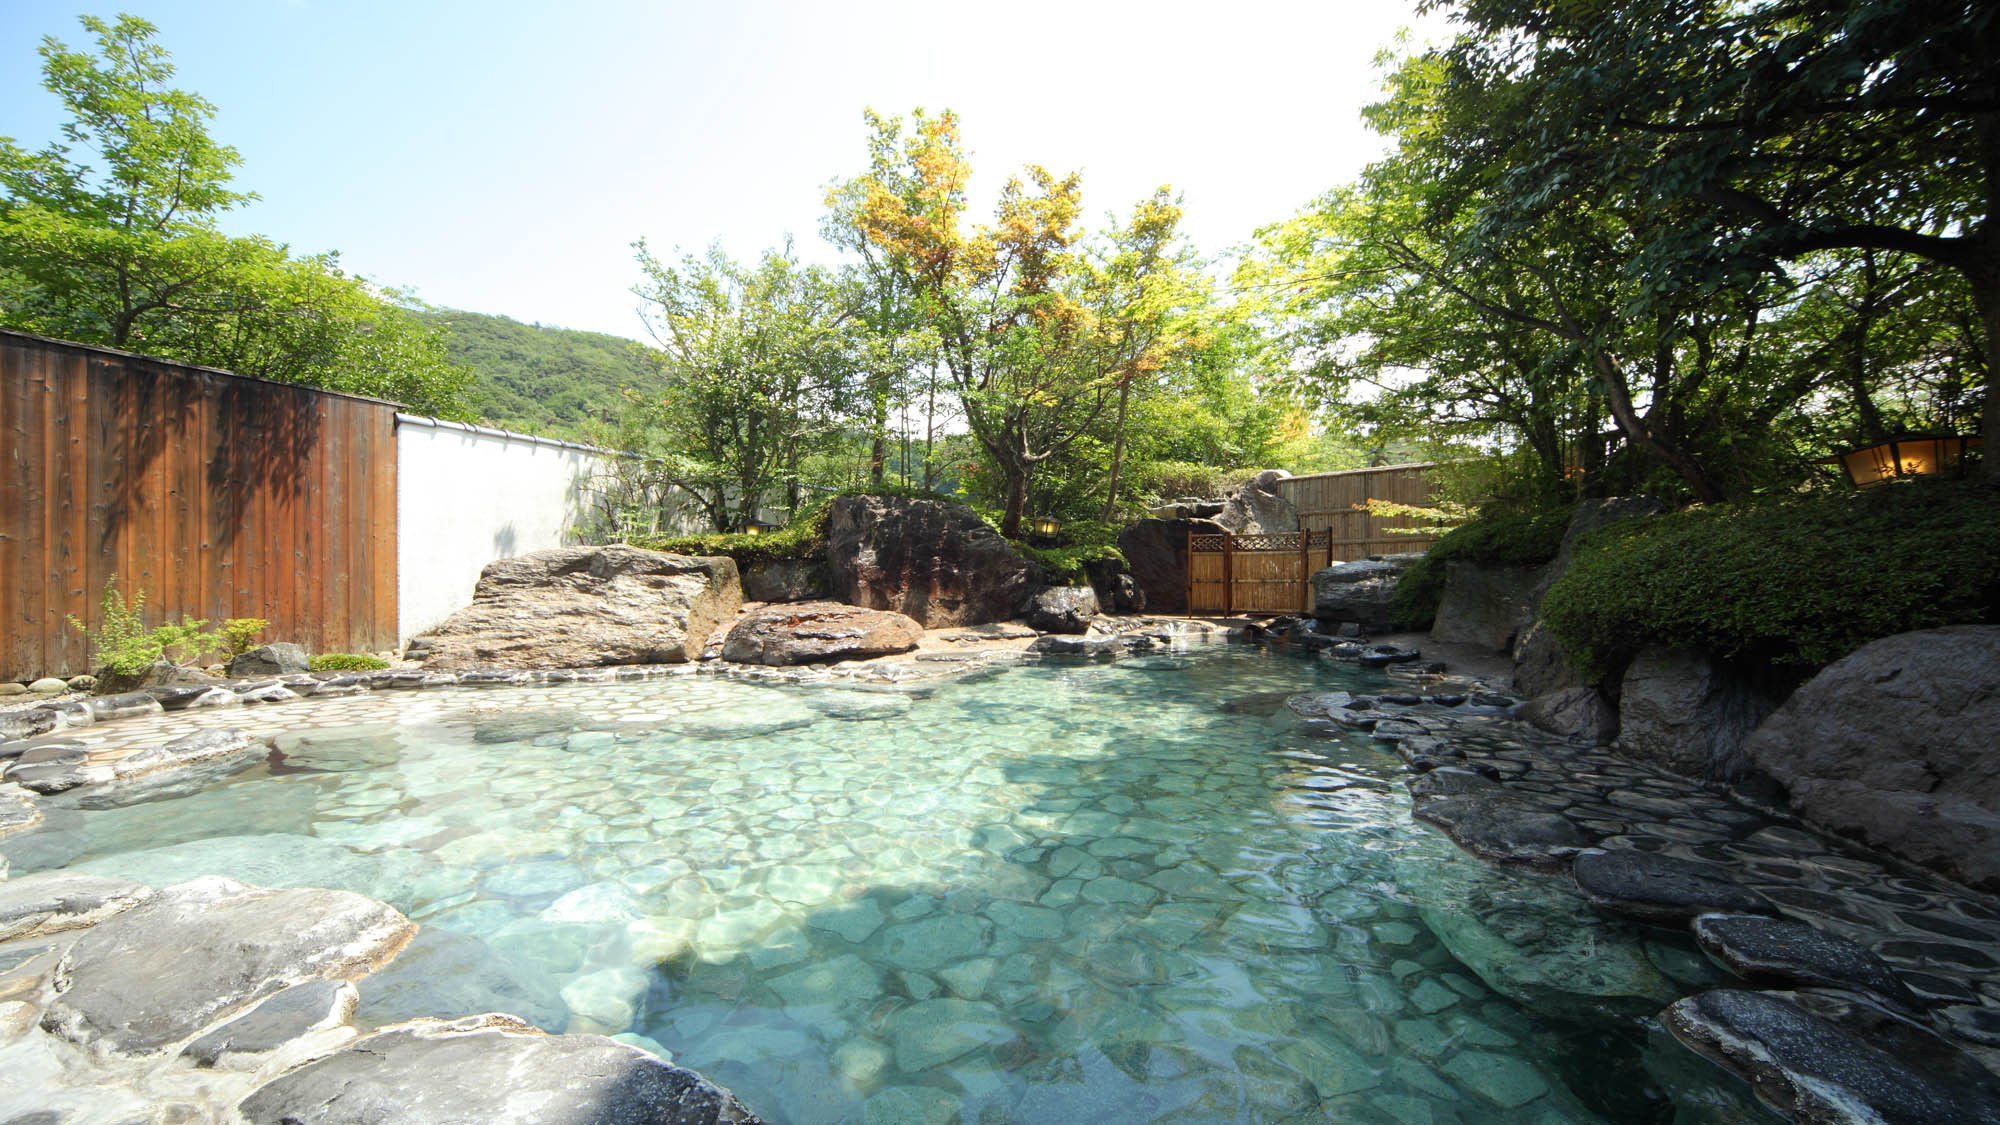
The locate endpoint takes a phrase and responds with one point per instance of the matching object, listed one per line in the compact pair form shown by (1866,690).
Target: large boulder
(1062,609)
(1258,509)
(573,607)
(158,674)
(1893,744)
(938,563)
(1360,591)
(1541,666)
(1157,553)
(1485,604)
(1681,709)
(1573,712)
(280,659)
(1116,591)
(490,1068)
(805,632)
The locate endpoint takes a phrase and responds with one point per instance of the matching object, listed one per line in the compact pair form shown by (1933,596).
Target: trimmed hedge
(803,538)
(346,662)
(1519,540)
(1794,584)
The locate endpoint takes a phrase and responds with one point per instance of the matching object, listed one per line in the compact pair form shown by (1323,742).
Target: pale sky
(502,156)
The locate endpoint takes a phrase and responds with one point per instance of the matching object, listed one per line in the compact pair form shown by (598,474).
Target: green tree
(108,236)
(1758,135)
(757,362)
(1038,343)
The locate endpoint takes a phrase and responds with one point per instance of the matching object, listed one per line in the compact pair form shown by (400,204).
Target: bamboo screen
(1328,502)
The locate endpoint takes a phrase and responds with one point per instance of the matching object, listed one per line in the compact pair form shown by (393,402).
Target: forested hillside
(543,380)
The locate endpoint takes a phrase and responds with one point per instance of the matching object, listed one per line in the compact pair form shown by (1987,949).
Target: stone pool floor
(1943,941)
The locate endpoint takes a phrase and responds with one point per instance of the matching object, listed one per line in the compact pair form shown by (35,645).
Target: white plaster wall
(466,496)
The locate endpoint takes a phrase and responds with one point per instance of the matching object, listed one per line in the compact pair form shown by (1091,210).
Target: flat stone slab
(193,749)
(491,1068)
(53,901)
(1661,890)
(200,952)
(296,1012)
(1810,1069)
(1775,951)
(1502,830)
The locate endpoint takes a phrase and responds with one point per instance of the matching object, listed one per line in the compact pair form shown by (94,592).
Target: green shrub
(122,643)
(1067,565)
(239,635)
(346,662)
(1171,480)
(1527,539)
(1792,584)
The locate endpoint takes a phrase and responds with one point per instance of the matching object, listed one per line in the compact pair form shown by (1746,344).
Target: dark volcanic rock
(1811,1069)
(280,659)
(1485,604)
(199,747)
(936,562)
(1157,552)
(491,1068)
(1893,744)
(1258,509)
(159,674)
(1662,890)
(785,580)
(1062,609)
(1777,952)
(574,607)
(202,951)
(1577,712)
(1684,710)
(1541,666)
(1090,647)
(805,632)
(1503,830)
(1360,591)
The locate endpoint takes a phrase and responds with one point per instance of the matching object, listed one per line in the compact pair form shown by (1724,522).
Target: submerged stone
(1661,890)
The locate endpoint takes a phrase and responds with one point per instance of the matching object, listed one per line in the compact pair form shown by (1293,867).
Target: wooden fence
(1328,502)
(1255,573)
(217,495)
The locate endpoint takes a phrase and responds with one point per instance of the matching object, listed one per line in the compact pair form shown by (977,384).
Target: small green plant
(123,644)
(239,634)
(346,662)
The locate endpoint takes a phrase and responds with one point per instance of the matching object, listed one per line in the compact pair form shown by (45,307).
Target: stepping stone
(1503,830)
(200,952)
(490,1068)
(1661,890)
(52,901)
(1812,1069)
(1777,952)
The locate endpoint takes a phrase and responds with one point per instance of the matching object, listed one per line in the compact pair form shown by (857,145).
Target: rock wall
(1486,605)
(936,562)
(1156,550)
(1683,710)
(1257,509)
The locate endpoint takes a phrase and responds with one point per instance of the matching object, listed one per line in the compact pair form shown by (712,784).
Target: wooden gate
(1255,573)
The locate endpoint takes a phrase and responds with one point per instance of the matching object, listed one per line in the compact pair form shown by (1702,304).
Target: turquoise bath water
(1139,891)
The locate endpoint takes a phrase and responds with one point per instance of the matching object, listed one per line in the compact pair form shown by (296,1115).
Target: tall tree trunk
(1618,396)
(1117,451)
(1017,499)
(1872,429)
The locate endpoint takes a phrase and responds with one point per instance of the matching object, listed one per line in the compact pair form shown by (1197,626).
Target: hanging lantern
(1907,455)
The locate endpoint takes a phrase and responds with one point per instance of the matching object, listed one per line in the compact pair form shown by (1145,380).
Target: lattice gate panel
(1254,573)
